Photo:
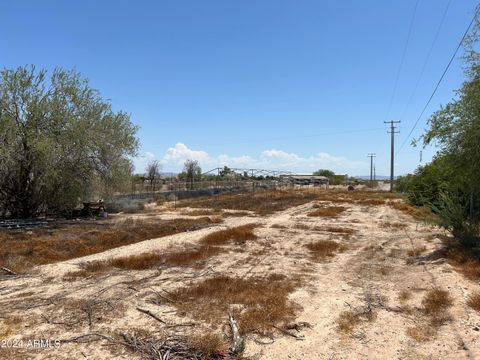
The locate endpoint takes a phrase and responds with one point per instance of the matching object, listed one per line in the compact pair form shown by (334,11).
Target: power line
(402,59)
(435,38)
(440,80)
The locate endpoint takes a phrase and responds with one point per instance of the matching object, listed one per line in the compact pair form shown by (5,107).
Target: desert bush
(260,303)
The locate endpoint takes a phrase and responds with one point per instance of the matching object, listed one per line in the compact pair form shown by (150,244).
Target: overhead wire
(392,97)
(435,38)
(440,80)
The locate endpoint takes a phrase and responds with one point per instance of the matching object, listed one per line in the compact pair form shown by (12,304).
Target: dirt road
(374,286)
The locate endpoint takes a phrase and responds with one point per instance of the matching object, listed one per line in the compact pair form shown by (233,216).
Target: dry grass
(322,249)
(210,245)
(393,225)
(362,197)
(238,234)
(474,301)
(421,332)
(21,249)
(415,212)
(348,320)
(329,211)
(404,295)
(257,303)
(202,212)
(10,325)
(208,345)
(196,256)
(465,260)
(335,229)
(435,305)
(416,251)
(262,203)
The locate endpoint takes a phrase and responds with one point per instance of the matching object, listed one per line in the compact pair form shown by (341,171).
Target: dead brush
(464,260)
(209,345)
(335,230)
(393,225)
(165,346)
(416,251)
(257,303)
(328,211)
(348,320)
(474,301)
(435,305)
(404,295)
(421,332)
(21,249)
(238,234)
(185,257)
(202,212)
(415,212)
(322,249)
(262,203)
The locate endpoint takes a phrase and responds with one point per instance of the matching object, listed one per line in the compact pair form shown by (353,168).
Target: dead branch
(297,337)
(76,338)
(181,325)
(238,343)
(161,296)
(298,326)
(149,313)
(7,270)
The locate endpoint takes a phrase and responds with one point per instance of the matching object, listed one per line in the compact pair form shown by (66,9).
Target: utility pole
(371,156)
(392,149)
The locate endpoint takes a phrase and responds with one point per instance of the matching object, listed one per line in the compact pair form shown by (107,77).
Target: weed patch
(474,301)
(262,203)
(257,303)
(416,251)
(21,249)
(322,249)
(435,305)
(329,211)
(237,234)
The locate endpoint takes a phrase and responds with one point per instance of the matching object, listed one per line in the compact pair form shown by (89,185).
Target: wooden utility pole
(371,156)
(392,149)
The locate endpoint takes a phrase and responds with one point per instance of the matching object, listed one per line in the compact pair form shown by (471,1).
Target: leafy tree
(226,171)
(450,185)
(324,172)
(332,177)
(60,142)
(192,172)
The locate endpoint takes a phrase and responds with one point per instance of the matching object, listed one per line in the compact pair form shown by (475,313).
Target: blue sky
(296,85)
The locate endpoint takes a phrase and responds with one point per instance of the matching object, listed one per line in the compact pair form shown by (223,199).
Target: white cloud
(180,152)
(141,161)
(272,159)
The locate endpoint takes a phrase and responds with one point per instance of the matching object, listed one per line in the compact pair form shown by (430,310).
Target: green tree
(332,177)
(450,183)
(59,142)
(192,172)
(324,172)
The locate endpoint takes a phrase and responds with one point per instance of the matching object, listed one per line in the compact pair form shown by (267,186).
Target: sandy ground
(371,272)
